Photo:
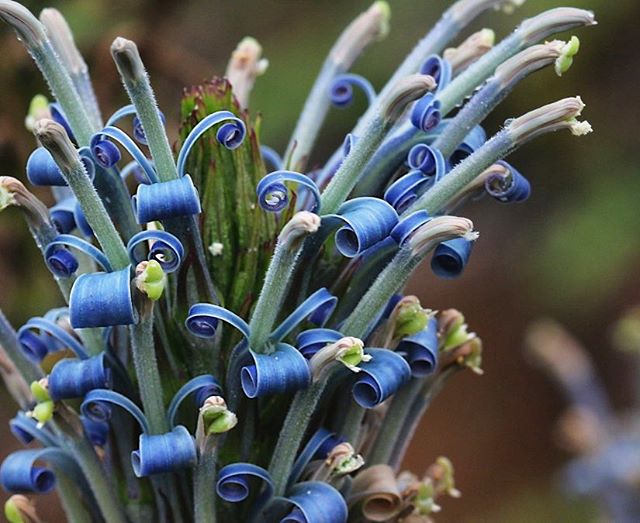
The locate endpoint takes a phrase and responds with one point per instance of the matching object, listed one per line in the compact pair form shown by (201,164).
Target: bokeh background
(571,252)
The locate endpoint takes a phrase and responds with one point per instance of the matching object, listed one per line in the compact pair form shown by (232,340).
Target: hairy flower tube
(233,341)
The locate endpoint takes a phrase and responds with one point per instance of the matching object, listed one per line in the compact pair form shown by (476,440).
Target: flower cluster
(235,342)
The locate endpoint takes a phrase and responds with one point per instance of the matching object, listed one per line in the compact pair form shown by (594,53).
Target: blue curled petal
(62,215)
(166,249)
(163,200)
(270,156)
(138,130)
(316,502)
(311,341)
(160,453)
(96,431)
(439,69)
(428,160)
(102,299)
(406,189)
(284,370)
(59,116)
(203,318)
(26,429)
(421,350)
(202,386)
(43,170)
(63,263)
(233,483)
(106,153)
(317,308)
(405,228)
(273,194)
(81,221)
(341,90)
(514,188)
(230,134)
(425,114)
(133,168)
(450,258)
(472,142)
(365,221)
(96,407)
(318,447)
(72,378)
(35,351)
(19,472)
(380,377)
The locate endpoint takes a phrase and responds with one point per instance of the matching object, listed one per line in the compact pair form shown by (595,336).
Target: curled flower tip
(44,408)
(554,21)
(549,118)
(470,50)
(557,351)
(343,459)
(469,355)
(409,317)
(62,40)
(54,138)
(215,417)
(38,109)
(127,58)
(569,50)
(349,351)
(245,65)
(150,279)
(20,509)
(377,489)
(531,59)
(405,91)
(370,26)
(29,29)
(301,225)
(465,11)
(439,229)
(14,193)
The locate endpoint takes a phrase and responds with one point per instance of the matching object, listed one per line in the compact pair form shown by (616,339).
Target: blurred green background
(570,252)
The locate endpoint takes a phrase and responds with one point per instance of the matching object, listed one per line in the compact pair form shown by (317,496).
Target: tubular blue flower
(439,69)
(364,222)
(63,263)
(107,154)
(421,350)
(203,318)
(36,348)
(311,341)
(230,134)
(380,378)
(507,187)
(273,194)
(161,453)
(164,200)
(202,386)
(316,502)
(19,473)
(317,308)
(341,91)
(73,378)
(42,169)
(451,257)
(425,114)
(102,299)
(283,370)
(164,247)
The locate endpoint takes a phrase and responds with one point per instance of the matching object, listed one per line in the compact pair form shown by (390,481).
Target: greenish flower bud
(424,501)
(38,109)
(349,351)
(442,474)
(410,317)
(40,390)
(43,412)
(564,61)
(150,279)
(216,418)
(20,509)
(344,460)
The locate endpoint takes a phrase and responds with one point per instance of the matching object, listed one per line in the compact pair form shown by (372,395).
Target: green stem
(353,424)
(72,504)
(146,367)
(9,342)
(203,483)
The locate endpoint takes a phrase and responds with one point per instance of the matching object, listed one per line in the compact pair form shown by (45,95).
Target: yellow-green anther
(352,356)
(40,390)
(424,501)
(457,336)
(43,412)
(38,109)
(564,61)
(443,475)
(20,509)
(470,355)
(22,20)
(349,351)
(410,317)
(150,279)
(216,417)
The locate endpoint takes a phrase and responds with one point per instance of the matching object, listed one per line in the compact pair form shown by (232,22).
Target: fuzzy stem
(9,342)
(136,81)
(74,510)
(204,500)
(146,366)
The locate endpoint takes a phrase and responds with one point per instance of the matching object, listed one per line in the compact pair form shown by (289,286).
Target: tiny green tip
(43,412)
(12,512)
(40,392)
(565,60)
(151,279)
